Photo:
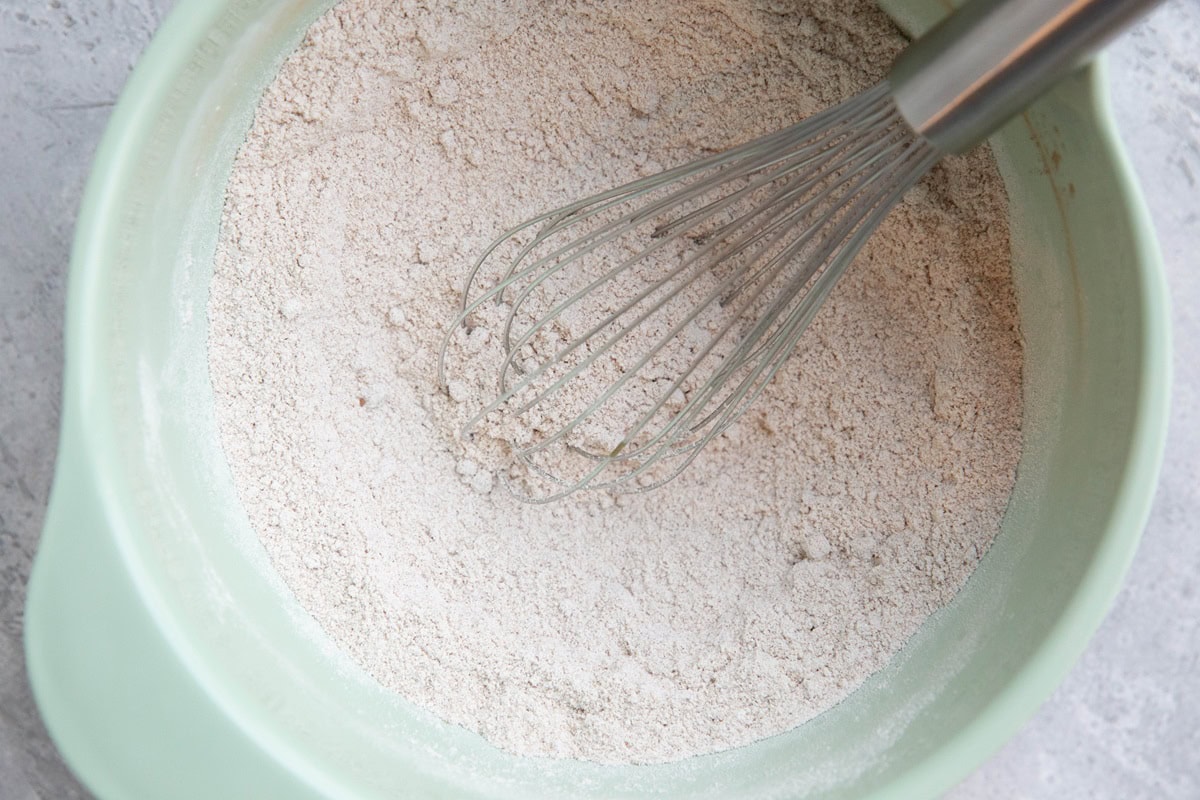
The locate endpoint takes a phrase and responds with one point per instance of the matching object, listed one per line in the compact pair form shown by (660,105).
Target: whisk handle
(991,58)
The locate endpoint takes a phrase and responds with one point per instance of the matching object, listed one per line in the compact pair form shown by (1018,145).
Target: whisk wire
(799,319)
(719,265)
(585,245)
(744,395)
(513,348)
(778,203)
(840,116)
(768,318)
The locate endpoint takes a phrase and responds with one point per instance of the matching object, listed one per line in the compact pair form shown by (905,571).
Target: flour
(788,563)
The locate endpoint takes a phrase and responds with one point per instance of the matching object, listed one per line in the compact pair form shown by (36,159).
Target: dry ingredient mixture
(791,560)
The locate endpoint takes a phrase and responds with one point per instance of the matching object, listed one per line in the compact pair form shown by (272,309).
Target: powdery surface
(786,565)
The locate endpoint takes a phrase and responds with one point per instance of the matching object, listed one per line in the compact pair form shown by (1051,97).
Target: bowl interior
(961,686)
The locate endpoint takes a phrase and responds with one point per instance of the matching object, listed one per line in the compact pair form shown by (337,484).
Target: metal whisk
(629,329)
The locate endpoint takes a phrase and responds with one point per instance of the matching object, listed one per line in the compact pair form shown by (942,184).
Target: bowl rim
(147,90)
(1032,684)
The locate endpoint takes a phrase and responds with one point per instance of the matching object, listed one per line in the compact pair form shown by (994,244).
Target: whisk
(631,328)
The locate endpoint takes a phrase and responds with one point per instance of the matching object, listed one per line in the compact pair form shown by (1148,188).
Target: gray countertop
(1124,724)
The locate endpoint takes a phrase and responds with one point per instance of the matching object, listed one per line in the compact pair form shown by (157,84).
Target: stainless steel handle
(992,58)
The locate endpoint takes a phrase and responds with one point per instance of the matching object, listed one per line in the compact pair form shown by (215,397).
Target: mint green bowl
(170,662)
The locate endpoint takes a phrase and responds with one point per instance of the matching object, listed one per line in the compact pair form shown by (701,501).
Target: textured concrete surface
(62,64)
(1126,722)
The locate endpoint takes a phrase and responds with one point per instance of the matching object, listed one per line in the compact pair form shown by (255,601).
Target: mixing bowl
(169,660)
